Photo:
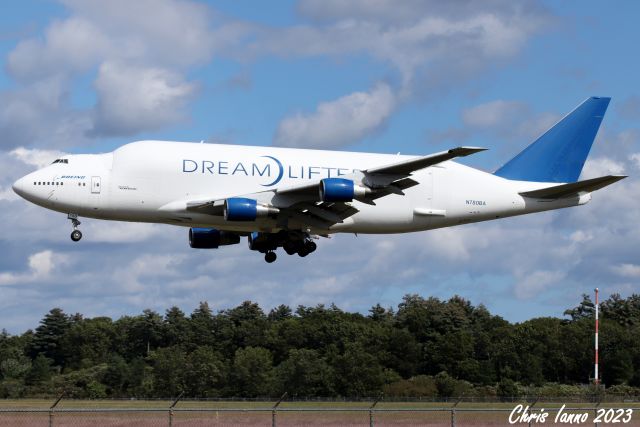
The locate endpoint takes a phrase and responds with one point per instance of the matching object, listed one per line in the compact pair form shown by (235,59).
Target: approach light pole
(596,378)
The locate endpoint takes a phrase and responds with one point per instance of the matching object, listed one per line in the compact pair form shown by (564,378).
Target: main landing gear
(302,248)
(293,242)
(76,234)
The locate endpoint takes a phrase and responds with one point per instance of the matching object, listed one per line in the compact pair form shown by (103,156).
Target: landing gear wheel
(76,234)
(270,257)
(303,252)
(289,248)
(310,246)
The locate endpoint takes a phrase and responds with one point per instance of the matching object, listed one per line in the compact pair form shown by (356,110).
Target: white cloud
(442,44)
(125,232)
(581,236)
(41,265)
(35,156)
(600,166)
(635,158)
(118,30)
(494,113)
(408,37)
(38,115)
(134,99)
(531,284)
(7,194)
(69,46)
(339,122)
(627,270)
(142,51)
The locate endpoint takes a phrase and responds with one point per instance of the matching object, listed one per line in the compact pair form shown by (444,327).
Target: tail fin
(559,154)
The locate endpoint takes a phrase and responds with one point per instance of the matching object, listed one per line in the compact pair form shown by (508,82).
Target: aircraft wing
(408,166)
(301,206)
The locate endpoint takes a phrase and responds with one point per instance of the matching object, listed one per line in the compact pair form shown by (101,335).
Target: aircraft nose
(19,187)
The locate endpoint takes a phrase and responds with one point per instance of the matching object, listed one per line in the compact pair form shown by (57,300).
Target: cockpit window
(61,161)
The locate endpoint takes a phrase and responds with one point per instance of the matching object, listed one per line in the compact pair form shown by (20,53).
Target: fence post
(595,410)
(175,402)
(371,410)
(53,407)
(274,410)
(453,411)
(531,407)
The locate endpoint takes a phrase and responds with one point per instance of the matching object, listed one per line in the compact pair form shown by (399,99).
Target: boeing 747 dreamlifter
(284,197)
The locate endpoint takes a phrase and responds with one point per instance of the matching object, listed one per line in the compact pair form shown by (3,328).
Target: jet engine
(242,209)
(210,238)
(340,190)
(263,242)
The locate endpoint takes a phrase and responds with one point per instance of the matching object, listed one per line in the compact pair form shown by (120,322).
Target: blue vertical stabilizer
(559,154)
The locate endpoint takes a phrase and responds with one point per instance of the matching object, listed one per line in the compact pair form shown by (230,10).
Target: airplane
(290,198)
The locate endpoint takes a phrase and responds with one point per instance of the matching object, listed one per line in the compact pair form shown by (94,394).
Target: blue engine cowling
(337,190)
(263,242)
(210,238)
(240,209)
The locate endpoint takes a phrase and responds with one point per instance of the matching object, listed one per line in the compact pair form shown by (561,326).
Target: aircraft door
(95,185)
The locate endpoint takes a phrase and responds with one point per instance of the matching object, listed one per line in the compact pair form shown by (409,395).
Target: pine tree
(48,336)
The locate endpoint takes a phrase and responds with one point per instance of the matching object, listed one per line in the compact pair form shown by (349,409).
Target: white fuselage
(152,181)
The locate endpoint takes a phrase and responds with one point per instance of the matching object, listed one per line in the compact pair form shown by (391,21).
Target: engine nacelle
(263,242)
(340,190)
(210,238)
(242,209)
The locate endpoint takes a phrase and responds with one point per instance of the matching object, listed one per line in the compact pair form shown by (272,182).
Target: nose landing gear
(76,234)
(270,257)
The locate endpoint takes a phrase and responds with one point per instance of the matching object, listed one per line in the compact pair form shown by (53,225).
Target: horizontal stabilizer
(574,188)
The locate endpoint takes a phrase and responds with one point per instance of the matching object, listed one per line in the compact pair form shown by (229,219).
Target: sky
(416,77)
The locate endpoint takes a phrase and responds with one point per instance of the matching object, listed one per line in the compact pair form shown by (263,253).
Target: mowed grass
(254,405)
(258,413)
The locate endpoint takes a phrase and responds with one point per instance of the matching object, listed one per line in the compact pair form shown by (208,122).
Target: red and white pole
(596,378)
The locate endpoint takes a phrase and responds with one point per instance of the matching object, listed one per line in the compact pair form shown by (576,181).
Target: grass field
(148,413)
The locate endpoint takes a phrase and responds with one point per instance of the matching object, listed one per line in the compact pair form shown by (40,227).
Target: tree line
(424,347)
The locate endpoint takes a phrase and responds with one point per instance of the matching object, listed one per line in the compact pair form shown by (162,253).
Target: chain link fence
(328,414)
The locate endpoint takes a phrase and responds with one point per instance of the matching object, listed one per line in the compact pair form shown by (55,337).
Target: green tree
(40,370)
(88,342)
(508,390)
(117,375)
(304,373)
(168,371)
(358,373)
(205,373)
(176,328)
(203,326)
(445,385)
(48,336)
(253,373)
